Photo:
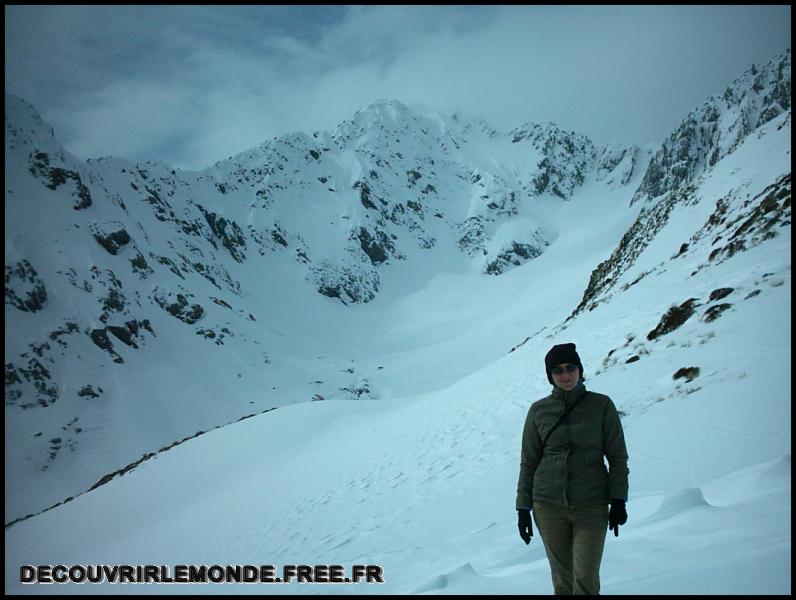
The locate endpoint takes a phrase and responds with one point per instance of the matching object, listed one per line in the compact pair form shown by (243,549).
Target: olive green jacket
(570,469)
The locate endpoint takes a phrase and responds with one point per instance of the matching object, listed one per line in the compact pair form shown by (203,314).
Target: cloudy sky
(191,85)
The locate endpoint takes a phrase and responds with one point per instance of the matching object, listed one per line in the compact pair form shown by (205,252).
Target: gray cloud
(194,84)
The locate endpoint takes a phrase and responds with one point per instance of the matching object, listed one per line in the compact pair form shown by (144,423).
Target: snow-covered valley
(377,301)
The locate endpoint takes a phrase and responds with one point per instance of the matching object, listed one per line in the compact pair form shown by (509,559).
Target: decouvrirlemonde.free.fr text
(200,574)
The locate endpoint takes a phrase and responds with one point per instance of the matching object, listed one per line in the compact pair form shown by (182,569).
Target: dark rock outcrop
(24,289)
(674,318)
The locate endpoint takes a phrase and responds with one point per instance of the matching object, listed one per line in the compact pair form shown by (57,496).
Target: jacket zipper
(567,450)
(566,475)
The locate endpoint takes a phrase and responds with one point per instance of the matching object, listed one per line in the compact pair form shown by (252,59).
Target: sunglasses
(569,368)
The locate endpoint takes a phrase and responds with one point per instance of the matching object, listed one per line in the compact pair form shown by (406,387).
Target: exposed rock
(24,289)
(123,334)
(128,334)
(228,232)
(473,236)
(278,236)
(88,392)
(364,194)
(221,302)
(689,373)
(70,328)
(375,246)
(772,209)
(134,326)
(164,260)
(358,389)
(354,284)
(415,206)
(720,293)
(617,165)
(742,226)
(114,301)
(412,177)
(505,206)
(140,266)
(163,211)
(100,338)
(179,308)
(704,137)
(210,334)
(647,225)
(514,255)
(674,318)
(714,312)
(40,380)
(54,177)
(111,236)
(566,158)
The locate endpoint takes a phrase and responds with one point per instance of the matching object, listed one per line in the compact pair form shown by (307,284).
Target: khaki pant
(573,539)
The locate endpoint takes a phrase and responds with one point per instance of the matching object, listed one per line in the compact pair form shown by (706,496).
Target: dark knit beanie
(560,354)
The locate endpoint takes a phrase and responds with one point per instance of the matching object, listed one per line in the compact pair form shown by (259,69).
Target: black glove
(524,524)
(617,515)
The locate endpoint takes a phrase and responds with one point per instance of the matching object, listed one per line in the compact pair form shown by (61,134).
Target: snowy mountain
(217,283)
(705,136)
(423,260)
(716,128)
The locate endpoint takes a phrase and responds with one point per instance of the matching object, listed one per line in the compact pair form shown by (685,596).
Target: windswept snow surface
(422,482)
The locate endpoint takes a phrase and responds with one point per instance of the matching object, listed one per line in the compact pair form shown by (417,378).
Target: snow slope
(144,305)
(423,482)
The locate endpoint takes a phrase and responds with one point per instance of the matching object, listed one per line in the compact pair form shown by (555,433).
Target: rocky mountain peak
(26,131)
(717,127)
(712,132)
(566,158)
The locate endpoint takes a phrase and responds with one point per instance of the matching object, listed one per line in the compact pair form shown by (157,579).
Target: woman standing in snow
(563,478)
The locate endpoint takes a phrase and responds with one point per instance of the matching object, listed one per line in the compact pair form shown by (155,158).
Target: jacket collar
(572,395)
